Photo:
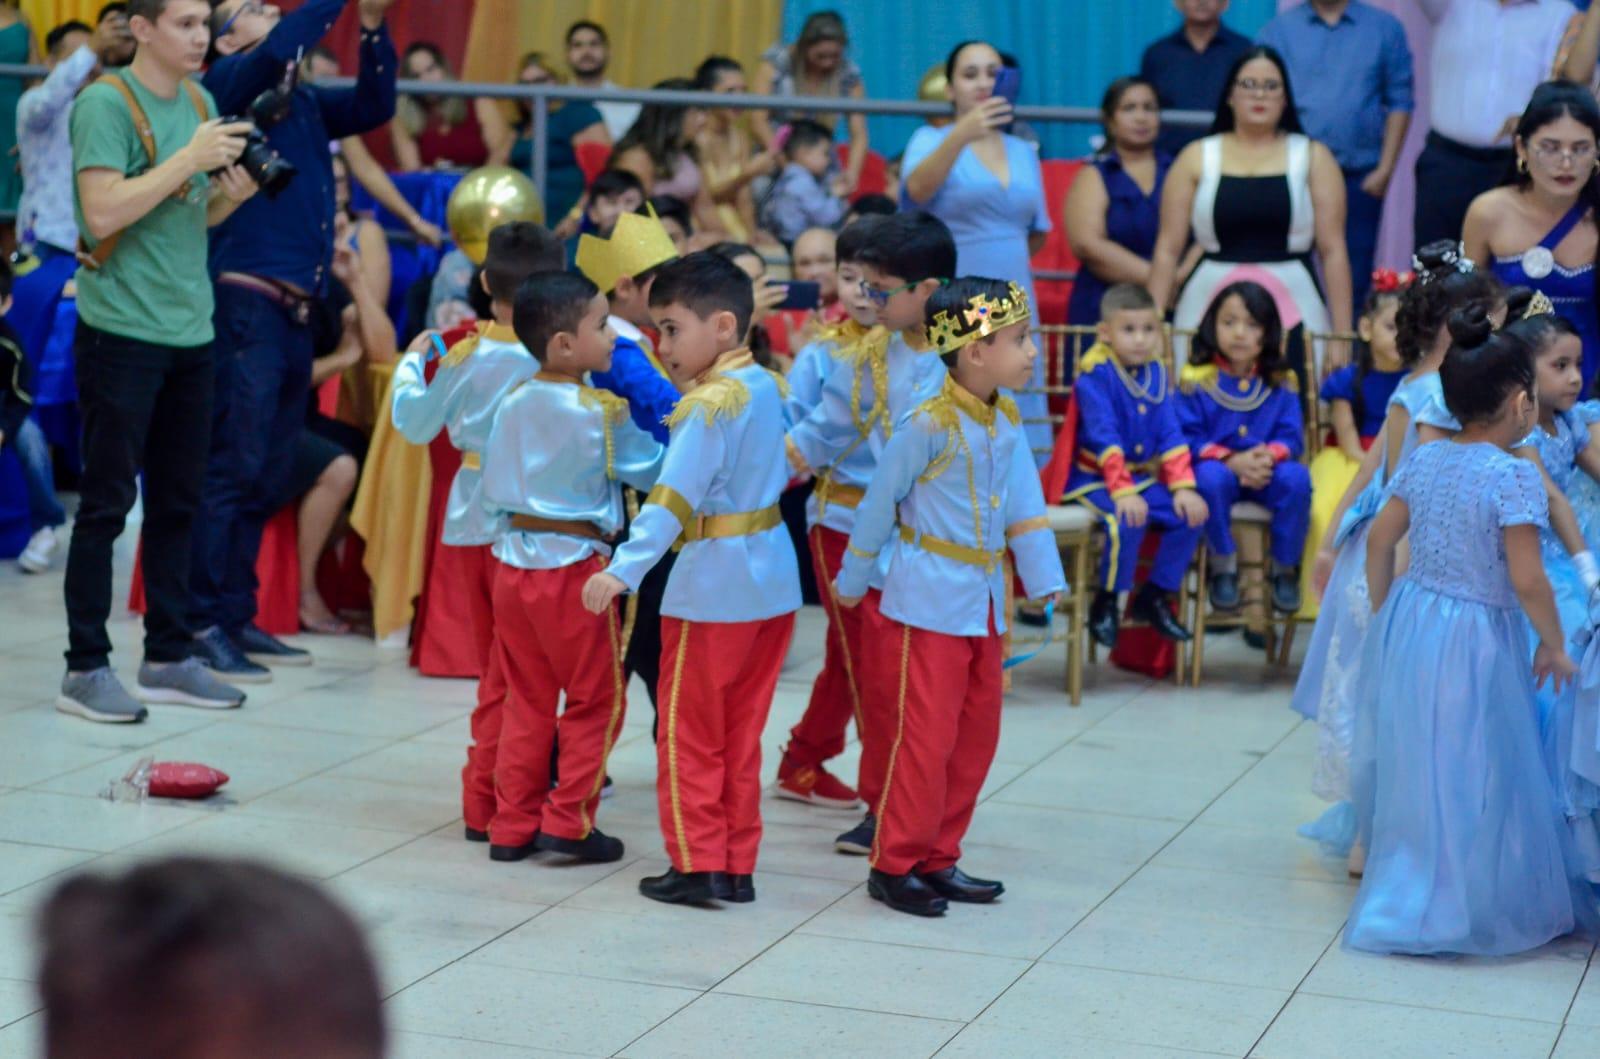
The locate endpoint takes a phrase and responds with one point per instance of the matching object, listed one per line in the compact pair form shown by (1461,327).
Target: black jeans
(644,648)
(144,407)
(263,374)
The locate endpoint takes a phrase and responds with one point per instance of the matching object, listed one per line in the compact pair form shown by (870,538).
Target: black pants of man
(144,407)
(1449,176)
(644,647)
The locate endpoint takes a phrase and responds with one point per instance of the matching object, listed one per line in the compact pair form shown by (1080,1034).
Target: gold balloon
(935,88)
(485,199)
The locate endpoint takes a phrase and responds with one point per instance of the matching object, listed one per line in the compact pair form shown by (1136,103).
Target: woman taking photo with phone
(986,185)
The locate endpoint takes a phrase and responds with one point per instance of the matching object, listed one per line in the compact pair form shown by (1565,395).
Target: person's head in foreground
(196,958)
(1489,378)
(909,256)
(701,305)
(562,319)
(981,328)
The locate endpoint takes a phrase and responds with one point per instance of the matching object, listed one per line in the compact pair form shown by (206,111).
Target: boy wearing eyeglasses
(904,258)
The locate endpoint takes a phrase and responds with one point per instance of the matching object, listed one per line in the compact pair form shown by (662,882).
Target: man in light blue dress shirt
(1350,67)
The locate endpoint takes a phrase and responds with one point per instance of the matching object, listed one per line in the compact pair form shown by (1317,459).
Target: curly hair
(1440,289)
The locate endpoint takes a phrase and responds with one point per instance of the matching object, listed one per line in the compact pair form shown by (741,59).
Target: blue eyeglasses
(246,8)
(880,298)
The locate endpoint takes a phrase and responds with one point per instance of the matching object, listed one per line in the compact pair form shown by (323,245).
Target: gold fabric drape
(45,15)
(650,39)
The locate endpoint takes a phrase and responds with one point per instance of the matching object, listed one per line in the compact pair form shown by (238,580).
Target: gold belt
(961,553)
(843,495)
(472,461)
(739,524)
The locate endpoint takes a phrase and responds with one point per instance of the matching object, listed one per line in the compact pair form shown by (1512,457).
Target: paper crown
(1538,305)
(637,244)
(982,317)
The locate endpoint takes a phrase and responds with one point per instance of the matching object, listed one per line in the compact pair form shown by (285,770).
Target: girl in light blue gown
(1467,849)
(1325,689)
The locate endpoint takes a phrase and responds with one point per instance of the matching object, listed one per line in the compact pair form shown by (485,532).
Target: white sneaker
(35,558)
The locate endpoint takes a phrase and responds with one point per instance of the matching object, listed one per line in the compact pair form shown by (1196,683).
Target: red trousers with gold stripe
(717,680)
(477,777)
(835,697)
(548,643)
(879,640)
(946,727)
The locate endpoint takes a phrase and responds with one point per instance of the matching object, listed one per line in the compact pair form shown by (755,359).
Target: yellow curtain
(45,15)
(650,39)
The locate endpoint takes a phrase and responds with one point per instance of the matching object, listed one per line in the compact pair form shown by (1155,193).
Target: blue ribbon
(1049,638)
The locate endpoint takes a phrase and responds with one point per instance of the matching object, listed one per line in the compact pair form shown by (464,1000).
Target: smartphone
(1008,84)
(801,295)
(780,138)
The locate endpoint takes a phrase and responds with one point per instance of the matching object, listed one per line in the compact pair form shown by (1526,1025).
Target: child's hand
(600,591)
(1554,663)
(1132,510)
(1192,506)
(846,601)
(1321,571)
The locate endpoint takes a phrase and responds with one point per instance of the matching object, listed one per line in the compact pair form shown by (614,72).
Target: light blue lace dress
(1325,689)
(1466,849)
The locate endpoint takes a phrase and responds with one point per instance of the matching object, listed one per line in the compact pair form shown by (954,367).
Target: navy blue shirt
(290,238)
(1348,77)
(1186,79)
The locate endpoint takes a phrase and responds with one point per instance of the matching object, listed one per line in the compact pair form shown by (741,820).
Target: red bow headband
(1388,281)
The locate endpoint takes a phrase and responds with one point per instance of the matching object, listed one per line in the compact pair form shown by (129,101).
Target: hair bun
(1438,255)
(1517,300)
(1470,327)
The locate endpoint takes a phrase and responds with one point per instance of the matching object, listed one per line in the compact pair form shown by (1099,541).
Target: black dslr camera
(266,168)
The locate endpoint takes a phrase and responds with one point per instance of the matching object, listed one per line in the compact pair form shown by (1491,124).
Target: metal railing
(540,97)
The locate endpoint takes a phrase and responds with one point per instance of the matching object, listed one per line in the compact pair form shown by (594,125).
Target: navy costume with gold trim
(1129,442)
(1223,414)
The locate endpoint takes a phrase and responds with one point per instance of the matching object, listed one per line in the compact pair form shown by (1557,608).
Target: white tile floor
(1159,901)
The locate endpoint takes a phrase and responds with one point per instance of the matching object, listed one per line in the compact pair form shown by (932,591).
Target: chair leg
(1197,647)
(1080,618)
(1291,626)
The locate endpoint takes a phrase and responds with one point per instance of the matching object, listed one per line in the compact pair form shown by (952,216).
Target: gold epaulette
(862,343)
(460,351)
(1285,380)
(946,417)
(839,332)
(723,397)
(613,410)
(1195,378)
(1093,357)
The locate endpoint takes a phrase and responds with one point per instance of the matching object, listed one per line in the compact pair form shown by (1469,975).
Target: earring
(1522,165)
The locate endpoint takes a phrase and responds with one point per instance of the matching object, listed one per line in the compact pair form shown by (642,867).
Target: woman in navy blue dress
(1113,211)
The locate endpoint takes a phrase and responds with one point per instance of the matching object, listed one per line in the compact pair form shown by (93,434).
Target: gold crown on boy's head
(638,243)
(982,317)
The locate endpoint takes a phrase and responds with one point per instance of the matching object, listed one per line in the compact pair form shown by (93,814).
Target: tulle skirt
(1467,852)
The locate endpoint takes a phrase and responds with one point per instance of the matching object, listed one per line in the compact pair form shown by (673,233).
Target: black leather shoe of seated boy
(1103,619)
(1150,607)
(1224,592)
(1286,591)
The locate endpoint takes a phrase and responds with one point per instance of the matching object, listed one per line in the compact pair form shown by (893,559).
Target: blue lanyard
(1050,636)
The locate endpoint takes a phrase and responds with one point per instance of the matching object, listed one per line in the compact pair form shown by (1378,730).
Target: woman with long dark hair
(1538,229)
(660,150)
(1113,211)
(1257,192)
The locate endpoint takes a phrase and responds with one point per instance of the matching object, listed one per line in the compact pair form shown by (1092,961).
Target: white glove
(1588,570)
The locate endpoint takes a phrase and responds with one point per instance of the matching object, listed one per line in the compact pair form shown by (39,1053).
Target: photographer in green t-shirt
(146,191)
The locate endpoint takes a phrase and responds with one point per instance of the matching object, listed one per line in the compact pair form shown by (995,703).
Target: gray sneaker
(99,696)
(186,683)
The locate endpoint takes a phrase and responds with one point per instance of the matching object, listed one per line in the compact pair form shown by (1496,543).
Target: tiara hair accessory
(1455,259)
(982,317)
(1388,281)
(1539,305)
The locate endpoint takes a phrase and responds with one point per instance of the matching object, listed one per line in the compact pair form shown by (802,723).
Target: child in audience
(19,433)
(903,259)
(1132,465)
(801,197)
(729,607)
(552,466)
(675,216)
(471,380)
(861,347)
(945,591)
(184,958)
(1357,396)
(1466,850)
(1240,411)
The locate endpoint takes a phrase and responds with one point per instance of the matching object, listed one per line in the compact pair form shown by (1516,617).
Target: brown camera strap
(93,259)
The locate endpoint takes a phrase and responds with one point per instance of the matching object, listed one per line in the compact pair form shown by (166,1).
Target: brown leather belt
(292,302)
(571,528)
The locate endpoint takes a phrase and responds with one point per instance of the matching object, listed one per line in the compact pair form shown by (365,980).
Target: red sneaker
(814,785)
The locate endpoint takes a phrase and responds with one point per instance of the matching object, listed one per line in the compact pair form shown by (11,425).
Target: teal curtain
(1069,49)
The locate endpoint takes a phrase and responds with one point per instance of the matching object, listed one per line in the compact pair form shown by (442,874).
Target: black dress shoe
(683,888)
(737,889)
(1103,619)
(514,853)
(599,848)
(956,885)
(474,835)
(905,893)
(1256,640)
(266,649)
(1286,591)
(1150,607)
(1225,592)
